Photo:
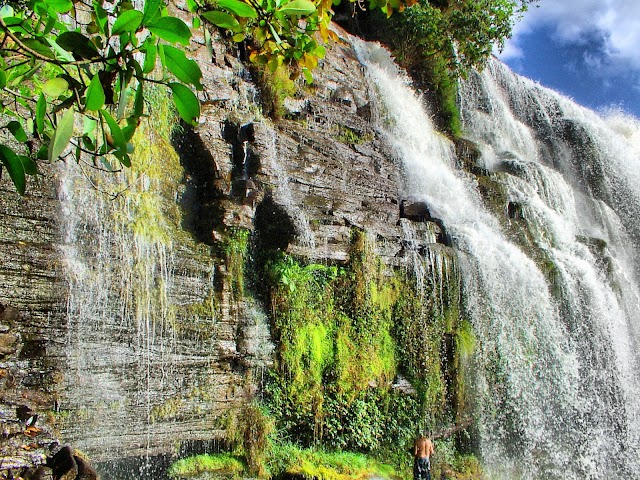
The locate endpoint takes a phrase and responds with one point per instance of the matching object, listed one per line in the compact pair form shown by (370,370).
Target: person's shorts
(422,469)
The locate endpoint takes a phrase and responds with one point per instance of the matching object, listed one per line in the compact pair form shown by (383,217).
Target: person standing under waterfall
(422,451)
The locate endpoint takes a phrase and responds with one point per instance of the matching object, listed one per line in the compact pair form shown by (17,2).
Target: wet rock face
(324,164)
(300,184)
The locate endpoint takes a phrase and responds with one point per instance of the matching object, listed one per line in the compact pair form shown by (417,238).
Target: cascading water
(548,269)
(141,321)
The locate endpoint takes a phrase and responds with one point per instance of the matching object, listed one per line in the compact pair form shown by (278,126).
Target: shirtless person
(422,451)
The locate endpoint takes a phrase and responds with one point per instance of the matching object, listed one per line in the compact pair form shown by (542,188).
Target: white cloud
(617,22)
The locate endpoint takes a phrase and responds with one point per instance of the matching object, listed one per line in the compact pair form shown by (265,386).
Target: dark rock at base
(515,211)
(24,412)
(39,473)
(63,465)
(85,471)
(8,314)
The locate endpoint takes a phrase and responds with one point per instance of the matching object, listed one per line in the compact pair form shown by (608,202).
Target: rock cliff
(130,382)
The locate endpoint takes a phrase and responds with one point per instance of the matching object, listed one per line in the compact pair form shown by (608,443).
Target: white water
(129,354)
(556,370)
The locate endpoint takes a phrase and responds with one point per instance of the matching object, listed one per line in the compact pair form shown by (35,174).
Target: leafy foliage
(74,74)
(290,460)
(257,428)
(338,354)
(284,32)
(79,88)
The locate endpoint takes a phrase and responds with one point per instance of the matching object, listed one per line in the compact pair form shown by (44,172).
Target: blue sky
(588,50)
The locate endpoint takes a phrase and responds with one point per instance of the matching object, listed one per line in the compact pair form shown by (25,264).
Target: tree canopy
(74,72)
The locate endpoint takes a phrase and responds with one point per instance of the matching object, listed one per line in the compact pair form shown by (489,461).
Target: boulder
(63,464)
(85,471)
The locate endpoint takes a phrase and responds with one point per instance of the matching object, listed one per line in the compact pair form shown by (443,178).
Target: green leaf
(171,29)
(41,111)
(128,132)
(55,87)
(78,44)
(49,25)
(6,11)
(30,167)
(192,5)
(116,132)
(17,131)
(123,157)
(222,20)
(151,53)
(138,103)
(123,102)
(307,75)
(241,9)
(184,69)
(3,79)
(89,126)
(276,37)
(61,53)
(62,135)
(95,97)
(152,10)
(14,166)
(127,22)
(43,152)
(88,143)
(298,7)
(60,6)
(186,102)
(39,47)
(102,18)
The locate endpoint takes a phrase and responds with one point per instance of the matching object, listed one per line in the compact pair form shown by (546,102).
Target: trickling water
(554,306)
(140,317)
(285,198)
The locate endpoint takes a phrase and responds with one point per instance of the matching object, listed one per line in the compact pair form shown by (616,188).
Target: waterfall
(547,262)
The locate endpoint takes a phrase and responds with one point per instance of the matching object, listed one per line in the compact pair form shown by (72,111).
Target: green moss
(450,464)
(319,464)
(256,426)
(288,459)
(234,249)
(274,87)
(465,339)
(350,136)
(222,463)
(168,410)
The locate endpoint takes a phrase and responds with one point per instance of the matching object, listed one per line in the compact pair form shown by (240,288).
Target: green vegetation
(81,92)
(275,86)
(287,460)
(351,137)
(439,41)
(343,336)
(234,248)
(222,464)
(311,463)
(344,333)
